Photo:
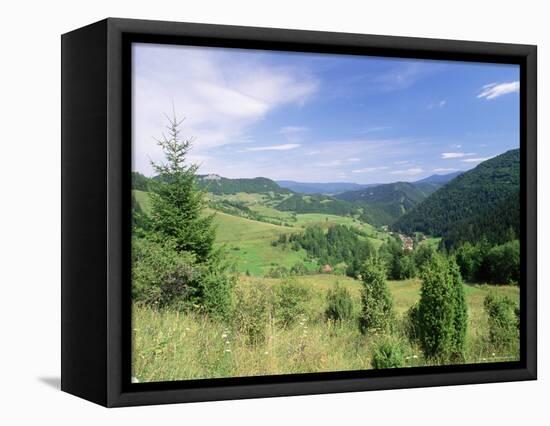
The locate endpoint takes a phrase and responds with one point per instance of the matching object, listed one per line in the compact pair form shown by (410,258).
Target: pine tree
(377,304)
(177,205)
(442,311)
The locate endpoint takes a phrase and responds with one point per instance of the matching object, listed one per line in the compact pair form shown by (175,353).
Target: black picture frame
(96,143)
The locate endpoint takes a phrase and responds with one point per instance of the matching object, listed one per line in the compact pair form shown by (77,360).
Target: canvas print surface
(308,213)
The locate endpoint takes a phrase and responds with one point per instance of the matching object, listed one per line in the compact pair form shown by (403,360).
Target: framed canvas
(257,212)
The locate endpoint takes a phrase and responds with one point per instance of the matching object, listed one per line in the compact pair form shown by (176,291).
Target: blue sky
(323,118)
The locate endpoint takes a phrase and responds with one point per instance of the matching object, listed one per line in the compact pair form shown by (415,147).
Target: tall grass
(171,345)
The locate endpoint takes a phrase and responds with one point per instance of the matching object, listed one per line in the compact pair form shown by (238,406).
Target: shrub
(253,312)
(503,263)
(277,272)
(442,312)
(376,301)
(403,267)
(290,298)
(503,320)
(470,258)
(298,269)
(163,277)
(339,304)
(387,354)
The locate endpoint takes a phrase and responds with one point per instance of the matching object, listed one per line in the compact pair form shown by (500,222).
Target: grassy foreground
(170,345)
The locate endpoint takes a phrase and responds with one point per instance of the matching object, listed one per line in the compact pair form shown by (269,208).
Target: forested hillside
(496,225)
(383,204)
(224,186)
(468,195)
(316,203)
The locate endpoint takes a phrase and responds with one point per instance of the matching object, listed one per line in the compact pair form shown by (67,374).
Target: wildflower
(228,350)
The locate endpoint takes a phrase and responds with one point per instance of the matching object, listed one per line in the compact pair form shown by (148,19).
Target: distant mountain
(328,188)
(439,179)
(223,186)
(481,189)
(383,204)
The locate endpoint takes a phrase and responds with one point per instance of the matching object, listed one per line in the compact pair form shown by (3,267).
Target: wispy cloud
(282,147)
(408,172)
(369,169)
(294,133)
(494,90)
(400,162)
(447,155)
(221,107)
(439,104)
(475,160)
(444,170)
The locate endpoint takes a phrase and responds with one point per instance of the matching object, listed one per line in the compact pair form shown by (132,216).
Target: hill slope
(469,194)
(225,186)
(383,204)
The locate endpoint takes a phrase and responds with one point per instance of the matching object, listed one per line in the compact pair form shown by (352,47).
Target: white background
(30,211)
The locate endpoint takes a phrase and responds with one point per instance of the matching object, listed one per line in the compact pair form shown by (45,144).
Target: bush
(298,269)
(503,320)
(376,301)
(442,312)
(163,277)
(277,272)
(403,267)
(253,312)
(503,263)
(339,304)
(290,299)
(470,259)
(387,354)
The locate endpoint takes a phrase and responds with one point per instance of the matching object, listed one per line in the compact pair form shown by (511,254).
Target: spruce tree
(377,304)
(177,205)
(442,313)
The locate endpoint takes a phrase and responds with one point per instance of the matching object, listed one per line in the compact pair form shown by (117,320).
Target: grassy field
(249,241)
(249,244)
(170,345)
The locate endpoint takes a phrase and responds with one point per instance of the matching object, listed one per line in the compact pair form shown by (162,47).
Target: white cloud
(447,155)
(220,105)
(332,163)
(369,169)
(439,104)
(475,160)
(353,160)
(444,170)
(494,90)
(401,162)
(408,172)
(293,133)
(283,147)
